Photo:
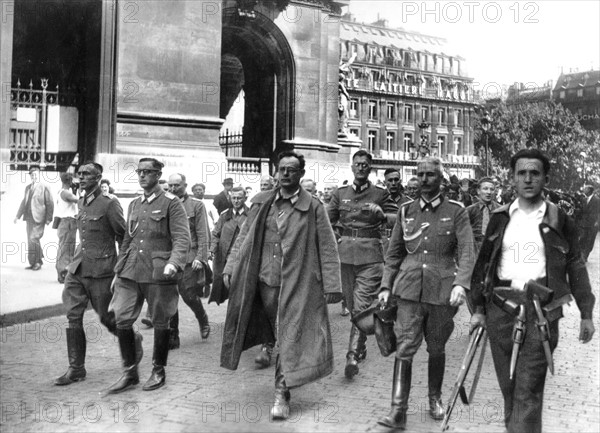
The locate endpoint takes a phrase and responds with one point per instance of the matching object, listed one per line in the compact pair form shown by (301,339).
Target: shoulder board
(343,186)
(139,197)
(170,196)
(224,212)
(111,196)
(196,199)
(456,203)
(380,186)
(406,203)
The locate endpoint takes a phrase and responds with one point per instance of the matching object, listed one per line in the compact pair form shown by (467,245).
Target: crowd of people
(280,256)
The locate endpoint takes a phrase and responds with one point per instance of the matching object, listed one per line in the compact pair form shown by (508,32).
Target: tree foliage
(548,127)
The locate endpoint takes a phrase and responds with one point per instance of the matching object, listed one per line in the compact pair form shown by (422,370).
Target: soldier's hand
(196,265)
(477,320)
(16,220)
(170,270)
(586,330)
(384,295)
(458,296)
(226,280)
(376,209)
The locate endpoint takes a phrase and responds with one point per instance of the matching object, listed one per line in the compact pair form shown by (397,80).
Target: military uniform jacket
(427,241)
(157,233)
(356,246)
(199,233)
(100,223)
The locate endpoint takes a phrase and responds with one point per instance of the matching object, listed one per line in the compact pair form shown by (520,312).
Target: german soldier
(427,284)
(192,282)
(153,254)
(358,212)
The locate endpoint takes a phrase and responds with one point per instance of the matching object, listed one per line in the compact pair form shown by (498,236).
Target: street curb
(31,314)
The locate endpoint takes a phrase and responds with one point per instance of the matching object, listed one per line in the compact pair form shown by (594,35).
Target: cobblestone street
(201,396)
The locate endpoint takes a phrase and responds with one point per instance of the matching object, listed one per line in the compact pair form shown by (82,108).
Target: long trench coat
(310,269)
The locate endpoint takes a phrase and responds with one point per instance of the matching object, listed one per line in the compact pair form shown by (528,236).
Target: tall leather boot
(263,359)
(127,344)
(281,404)
(202,317)
(437,365)
(361,347)
(351,369)
(76,345)
(396,419)
(159,360)
(174,342)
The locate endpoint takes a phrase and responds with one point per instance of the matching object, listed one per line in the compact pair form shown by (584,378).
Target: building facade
(579,92)
(407,98)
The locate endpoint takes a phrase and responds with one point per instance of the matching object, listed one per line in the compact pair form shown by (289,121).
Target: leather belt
(362,233)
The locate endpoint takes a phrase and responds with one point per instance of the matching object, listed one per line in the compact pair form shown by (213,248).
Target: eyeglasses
(361,164)
(145,172)
(290,170)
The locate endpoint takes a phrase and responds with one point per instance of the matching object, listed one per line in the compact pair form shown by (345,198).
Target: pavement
(202,396)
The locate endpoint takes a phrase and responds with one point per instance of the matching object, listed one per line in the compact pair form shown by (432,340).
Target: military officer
(428,285)
(358,212)
(193,280)
(153,255)
(100,223)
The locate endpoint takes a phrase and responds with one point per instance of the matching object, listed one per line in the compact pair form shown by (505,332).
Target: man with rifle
(528,267)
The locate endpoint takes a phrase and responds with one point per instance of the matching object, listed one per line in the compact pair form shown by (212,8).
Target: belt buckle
(354,233)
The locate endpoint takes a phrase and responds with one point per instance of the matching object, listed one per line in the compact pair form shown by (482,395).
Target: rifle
(459,388)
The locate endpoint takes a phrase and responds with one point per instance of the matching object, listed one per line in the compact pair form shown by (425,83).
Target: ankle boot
(174,342)
(263,359)
(281,404)
(159,360)
(437,365)
(351,369)
(396,419)
(76,345)
(127,344)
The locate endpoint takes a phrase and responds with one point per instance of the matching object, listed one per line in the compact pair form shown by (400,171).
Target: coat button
(141,251)
(424,265)
(141,241)
(425,252)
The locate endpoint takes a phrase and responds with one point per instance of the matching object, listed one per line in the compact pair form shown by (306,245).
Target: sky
(502,41)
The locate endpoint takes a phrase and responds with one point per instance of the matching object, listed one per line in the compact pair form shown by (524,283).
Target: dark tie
(486,219)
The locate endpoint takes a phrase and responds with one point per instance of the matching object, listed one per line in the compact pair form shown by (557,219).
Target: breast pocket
(95,223)
(445,228)
(158,224)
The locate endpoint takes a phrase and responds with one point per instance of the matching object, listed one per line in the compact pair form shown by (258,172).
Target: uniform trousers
(418,320)
(35,232)
(360,285)
(523,396)
(78,291)
(67,232)
(128,300)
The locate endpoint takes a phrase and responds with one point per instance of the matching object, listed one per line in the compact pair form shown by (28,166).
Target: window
(408,139)
(425,114)
(408,116)
(353,108)
(598,90)
(441,116)
(391,111)
(457,117)
(441,141)
(355,131)
(390,139)
(372,110)
(562,94)
(579,93)
(372,140)
(458,145)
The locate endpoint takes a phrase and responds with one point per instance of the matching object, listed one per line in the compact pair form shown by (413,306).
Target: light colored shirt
(523,253)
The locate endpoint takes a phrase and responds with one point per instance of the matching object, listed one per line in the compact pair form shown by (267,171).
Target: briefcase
(384,329)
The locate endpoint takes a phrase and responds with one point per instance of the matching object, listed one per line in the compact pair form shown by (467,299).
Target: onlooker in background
(199,190)
(452,192)
(465,196)
(480,212)
(66,210)
(164,185)
(590,218)
(327,193)
(37,209)
(267,183)
(248,191)
(222,201)
(310,186)
(106,188)
(412,189)
(394,186)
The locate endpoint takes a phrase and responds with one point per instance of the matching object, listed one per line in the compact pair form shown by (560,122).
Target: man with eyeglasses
(282,270)
(191,284)
(152,256)
(428,268)
(100,224)
(358,212)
